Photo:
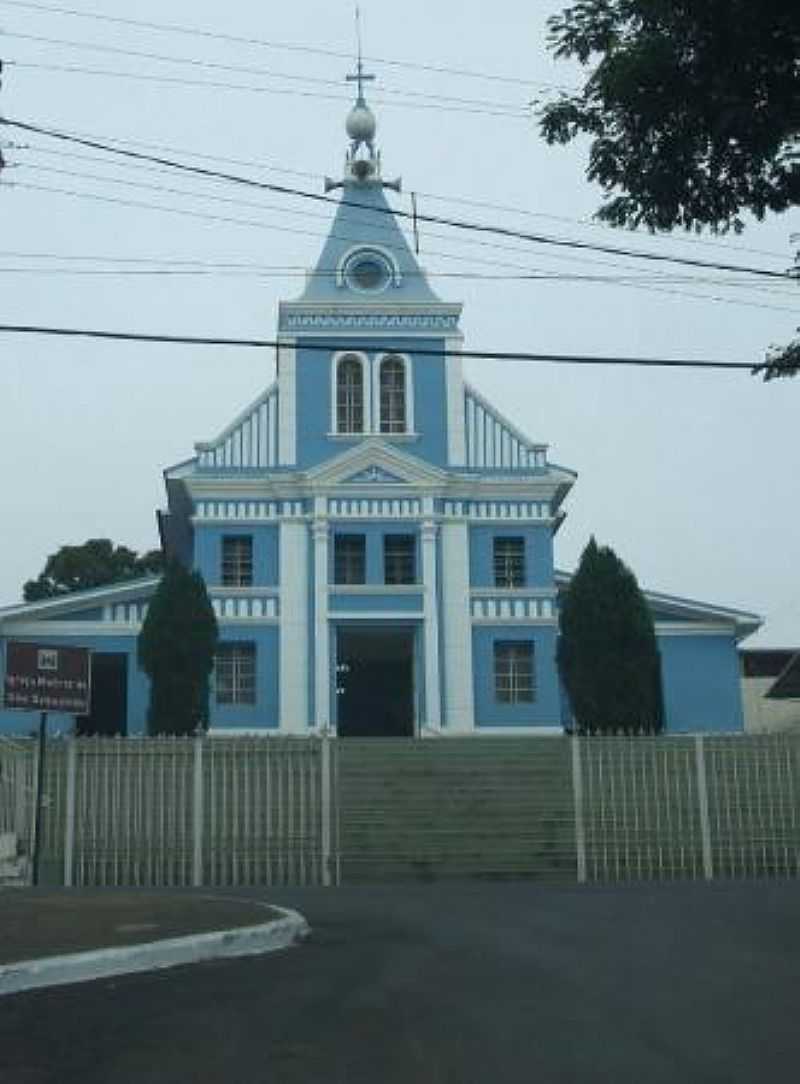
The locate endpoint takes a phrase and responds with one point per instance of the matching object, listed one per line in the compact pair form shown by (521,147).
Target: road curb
(270,936)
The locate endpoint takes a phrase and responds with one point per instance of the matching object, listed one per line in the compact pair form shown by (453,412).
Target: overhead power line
(242,69)
(459,224)
(272,167)
(479,355)
(179,28)
(516,112)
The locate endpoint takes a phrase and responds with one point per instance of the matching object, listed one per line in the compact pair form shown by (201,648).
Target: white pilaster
(322,667)
(287,402)
(457,628)
(433,695)
(456,420)
(293,635)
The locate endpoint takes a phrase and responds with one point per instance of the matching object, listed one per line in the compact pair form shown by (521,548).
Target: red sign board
(44,678)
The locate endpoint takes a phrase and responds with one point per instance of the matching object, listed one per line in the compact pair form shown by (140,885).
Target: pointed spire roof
(366,256)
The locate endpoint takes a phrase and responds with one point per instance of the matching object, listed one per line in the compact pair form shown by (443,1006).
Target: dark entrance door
(109,703)
(375,682)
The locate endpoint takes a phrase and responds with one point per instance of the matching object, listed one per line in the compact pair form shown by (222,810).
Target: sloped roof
(364,219)
(668,608)
(74,602)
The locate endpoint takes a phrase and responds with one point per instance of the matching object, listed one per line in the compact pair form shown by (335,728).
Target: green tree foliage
(691,106)
(95,563)
(607,653)
(176,650)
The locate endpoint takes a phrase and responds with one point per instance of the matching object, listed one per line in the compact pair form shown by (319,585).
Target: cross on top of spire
(359,76)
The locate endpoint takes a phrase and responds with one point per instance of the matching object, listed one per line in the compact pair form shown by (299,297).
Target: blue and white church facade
(376,538)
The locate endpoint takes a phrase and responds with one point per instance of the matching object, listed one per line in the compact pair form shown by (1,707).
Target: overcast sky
(692,477)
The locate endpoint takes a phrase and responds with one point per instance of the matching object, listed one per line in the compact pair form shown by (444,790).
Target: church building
(376,538)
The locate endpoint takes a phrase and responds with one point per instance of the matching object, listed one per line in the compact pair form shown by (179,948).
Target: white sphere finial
(361,124)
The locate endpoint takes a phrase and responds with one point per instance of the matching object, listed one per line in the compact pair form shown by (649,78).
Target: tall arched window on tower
(393,407)
(350,395)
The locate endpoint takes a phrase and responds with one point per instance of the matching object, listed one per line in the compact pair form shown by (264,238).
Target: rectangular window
(349,558)
(399,558)
(513,672)
(235,673)
(237,561)
(509,562)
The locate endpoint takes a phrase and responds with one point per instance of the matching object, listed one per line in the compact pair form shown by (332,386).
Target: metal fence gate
(295,811)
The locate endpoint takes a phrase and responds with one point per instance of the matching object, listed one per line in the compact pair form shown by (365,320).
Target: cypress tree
(176,650)
(607,652)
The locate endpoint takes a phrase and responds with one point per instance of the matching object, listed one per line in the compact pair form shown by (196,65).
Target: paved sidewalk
(39,923)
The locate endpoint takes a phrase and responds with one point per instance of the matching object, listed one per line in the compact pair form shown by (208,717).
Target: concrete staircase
(14,867)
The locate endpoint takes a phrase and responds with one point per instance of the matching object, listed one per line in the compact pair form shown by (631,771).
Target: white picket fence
(309,811)
(17,775)
(187,811)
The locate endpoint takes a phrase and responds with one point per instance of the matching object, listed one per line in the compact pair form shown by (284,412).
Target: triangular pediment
(374,475)
(375,463)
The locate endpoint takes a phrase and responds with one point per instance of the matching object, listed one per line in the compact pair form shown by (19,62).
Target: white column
(457,628)
(433,695)
(322,666)
(293,649)
(456,420)
(287,402)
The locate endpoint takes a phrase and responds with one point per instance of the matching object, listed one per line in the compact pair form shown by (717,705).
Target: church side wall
(538,553)
(545,710)
(265,713)
(700,675)
(208,552)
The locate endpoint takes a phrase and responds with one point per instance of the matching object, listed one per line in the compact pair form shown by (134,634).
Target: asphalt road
(452,984)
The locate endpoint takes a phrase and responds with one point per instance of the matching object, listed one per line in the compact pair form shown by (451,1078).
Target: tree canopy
(176,650)
(95,563)
(692,106)
(607,652)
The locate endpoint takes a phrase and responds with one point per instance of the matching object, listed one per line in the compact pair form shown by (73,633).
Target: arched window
(350,395)
(393,395)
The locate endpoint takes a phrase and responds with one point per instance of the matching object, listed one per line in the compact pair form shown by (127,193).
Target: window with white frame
(235,673)
(349,395)
(514,679)
(399,558)
(509,561)
(237,561)
(349,558)
(392,395)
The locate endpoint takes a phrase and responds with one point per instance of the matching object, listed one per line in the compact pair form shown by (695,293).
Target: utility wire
(254,223)
(438,197)
(210,65)
(177,28)
(482,355)
(454,223)
(520,113)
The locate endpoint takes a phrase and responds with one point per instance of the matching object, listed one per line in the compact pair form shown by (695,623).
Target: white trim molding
(456,404)
(286,355)
(293,629)
(457,640)
(433,693)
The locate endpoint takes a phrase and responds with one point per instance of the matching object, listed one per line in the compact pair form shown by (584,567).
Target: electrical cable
(482,355)
(177,28)
(434,219)
(217,84)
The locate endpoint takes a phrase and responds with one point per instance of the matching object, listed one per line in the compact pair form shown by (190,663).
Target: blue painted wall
(26,722)
(538,553)
(701,684)
(546,708)
(313,390)
(367,604)
(208,552)
(373,534)
(264,713)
